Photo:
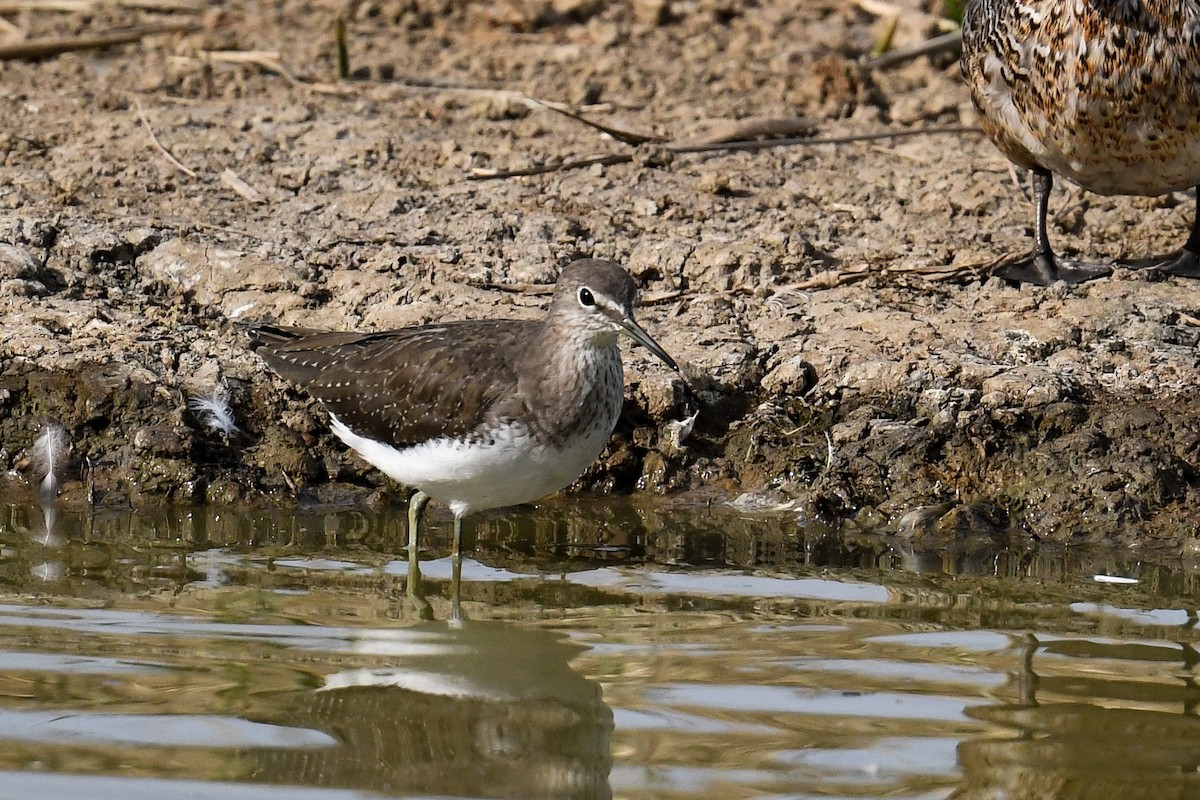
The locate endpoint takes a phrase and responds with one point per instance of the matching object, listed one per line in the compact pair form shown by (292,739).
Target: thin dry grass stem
(389,90)
(764,144)
(623,136)
(832,278)
(892,152)
(182,6)
(10,32)
(658,298)
(565,165)
(75,6)
(881,8)
(222,229)
(703,147)
(945,273)
(518,288)
(751,129)
(243,189)
(950,43)
(165,152)
(265,59)
(258,57)
(268,60)
(66,6)
(291,484)
(45,48)
(934,273)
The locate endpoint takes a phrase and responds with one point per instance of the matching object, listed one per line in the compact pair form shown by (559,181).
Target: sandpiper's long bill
(476,414)
(1105,93)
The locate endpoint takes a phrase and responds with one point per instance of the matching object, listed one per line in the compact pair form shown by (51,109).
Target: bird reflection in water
(458,708)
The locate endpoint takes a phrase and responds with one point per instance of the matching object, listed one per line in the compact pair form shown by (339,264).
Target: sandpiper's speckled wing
(401,387)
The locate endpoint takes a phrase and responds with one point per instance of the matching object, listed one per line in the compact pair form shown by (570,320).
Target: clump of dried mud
(829,302)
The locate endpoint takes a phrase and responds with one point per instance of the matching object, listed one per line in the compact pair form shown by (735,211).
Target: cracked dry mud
(902,389)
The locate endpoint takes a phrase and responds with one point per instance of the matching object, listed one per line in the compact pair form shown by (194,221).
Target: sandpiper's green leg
(416,508)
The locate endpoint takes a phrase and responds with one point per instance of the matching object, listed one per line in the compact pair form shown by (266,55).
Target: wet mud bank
(901,443)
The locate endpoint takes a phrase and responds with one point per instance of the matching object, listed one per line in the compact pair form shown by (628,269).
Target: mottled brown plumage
(406,386)
(482,413)
(1105,93)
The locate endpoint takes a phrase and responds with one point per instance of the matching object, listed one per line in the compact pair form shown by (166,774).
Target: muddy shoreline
(830,304)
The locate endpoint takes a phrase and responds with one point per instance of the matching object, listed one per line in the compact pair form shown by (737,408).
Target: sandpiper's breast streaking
(476,414)
(1105,93)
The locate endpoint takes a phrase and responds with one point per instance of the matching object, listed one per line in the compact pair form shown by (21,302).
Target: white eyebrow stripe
(609,304)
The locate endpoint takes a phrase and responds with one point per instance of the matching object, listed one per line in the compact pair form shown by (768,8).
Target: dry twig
(946,43)
(934,273)
(10,32)
(941,273)
(45,48)
(554,166)
(245,190)
(166,153)
(760,144)
(75,6)
(658,298)
(879,8)
(268,60)
(623,136)
(832,278)
(752,129)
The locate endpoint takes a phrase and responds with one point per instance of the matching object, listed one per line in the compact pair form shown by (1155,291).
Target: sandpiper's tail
(270,336)
(298,354)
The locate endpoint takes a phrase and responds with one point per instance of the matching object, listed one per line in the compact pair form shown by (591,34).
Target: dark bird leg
(1186,263)
(1042,266)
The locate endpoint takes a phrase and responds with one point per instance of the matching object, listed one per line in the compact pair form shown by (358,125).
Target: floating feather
(48,458)
(214,411)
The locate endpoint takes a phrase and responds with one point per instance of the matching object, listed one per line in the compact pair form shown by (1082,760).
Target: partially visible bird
(1105,93)
(476,414)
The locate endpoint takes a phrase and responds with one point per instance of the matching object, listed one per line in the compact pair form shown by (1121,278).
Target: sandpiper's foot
(1045,269)
(421,608)
(1185,264)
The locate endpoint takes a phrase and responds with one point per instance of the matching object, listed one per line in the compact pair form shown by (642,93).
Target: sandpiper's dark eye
(585,298)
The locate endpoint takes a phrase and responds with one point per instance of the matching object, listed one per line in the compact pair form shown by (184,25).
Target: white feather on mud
(214,411)
(48,460)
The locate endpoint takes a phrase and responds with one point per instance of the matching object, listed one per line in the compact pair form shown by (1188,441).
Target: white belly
(512,468)
(1142,169)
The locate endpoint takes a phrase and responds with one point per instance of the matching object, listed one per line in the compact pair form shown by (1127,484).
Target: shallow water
(608,650)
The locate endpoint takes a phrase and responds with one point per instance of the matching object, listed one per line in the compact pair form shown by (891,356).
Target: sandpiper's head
(598,296)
